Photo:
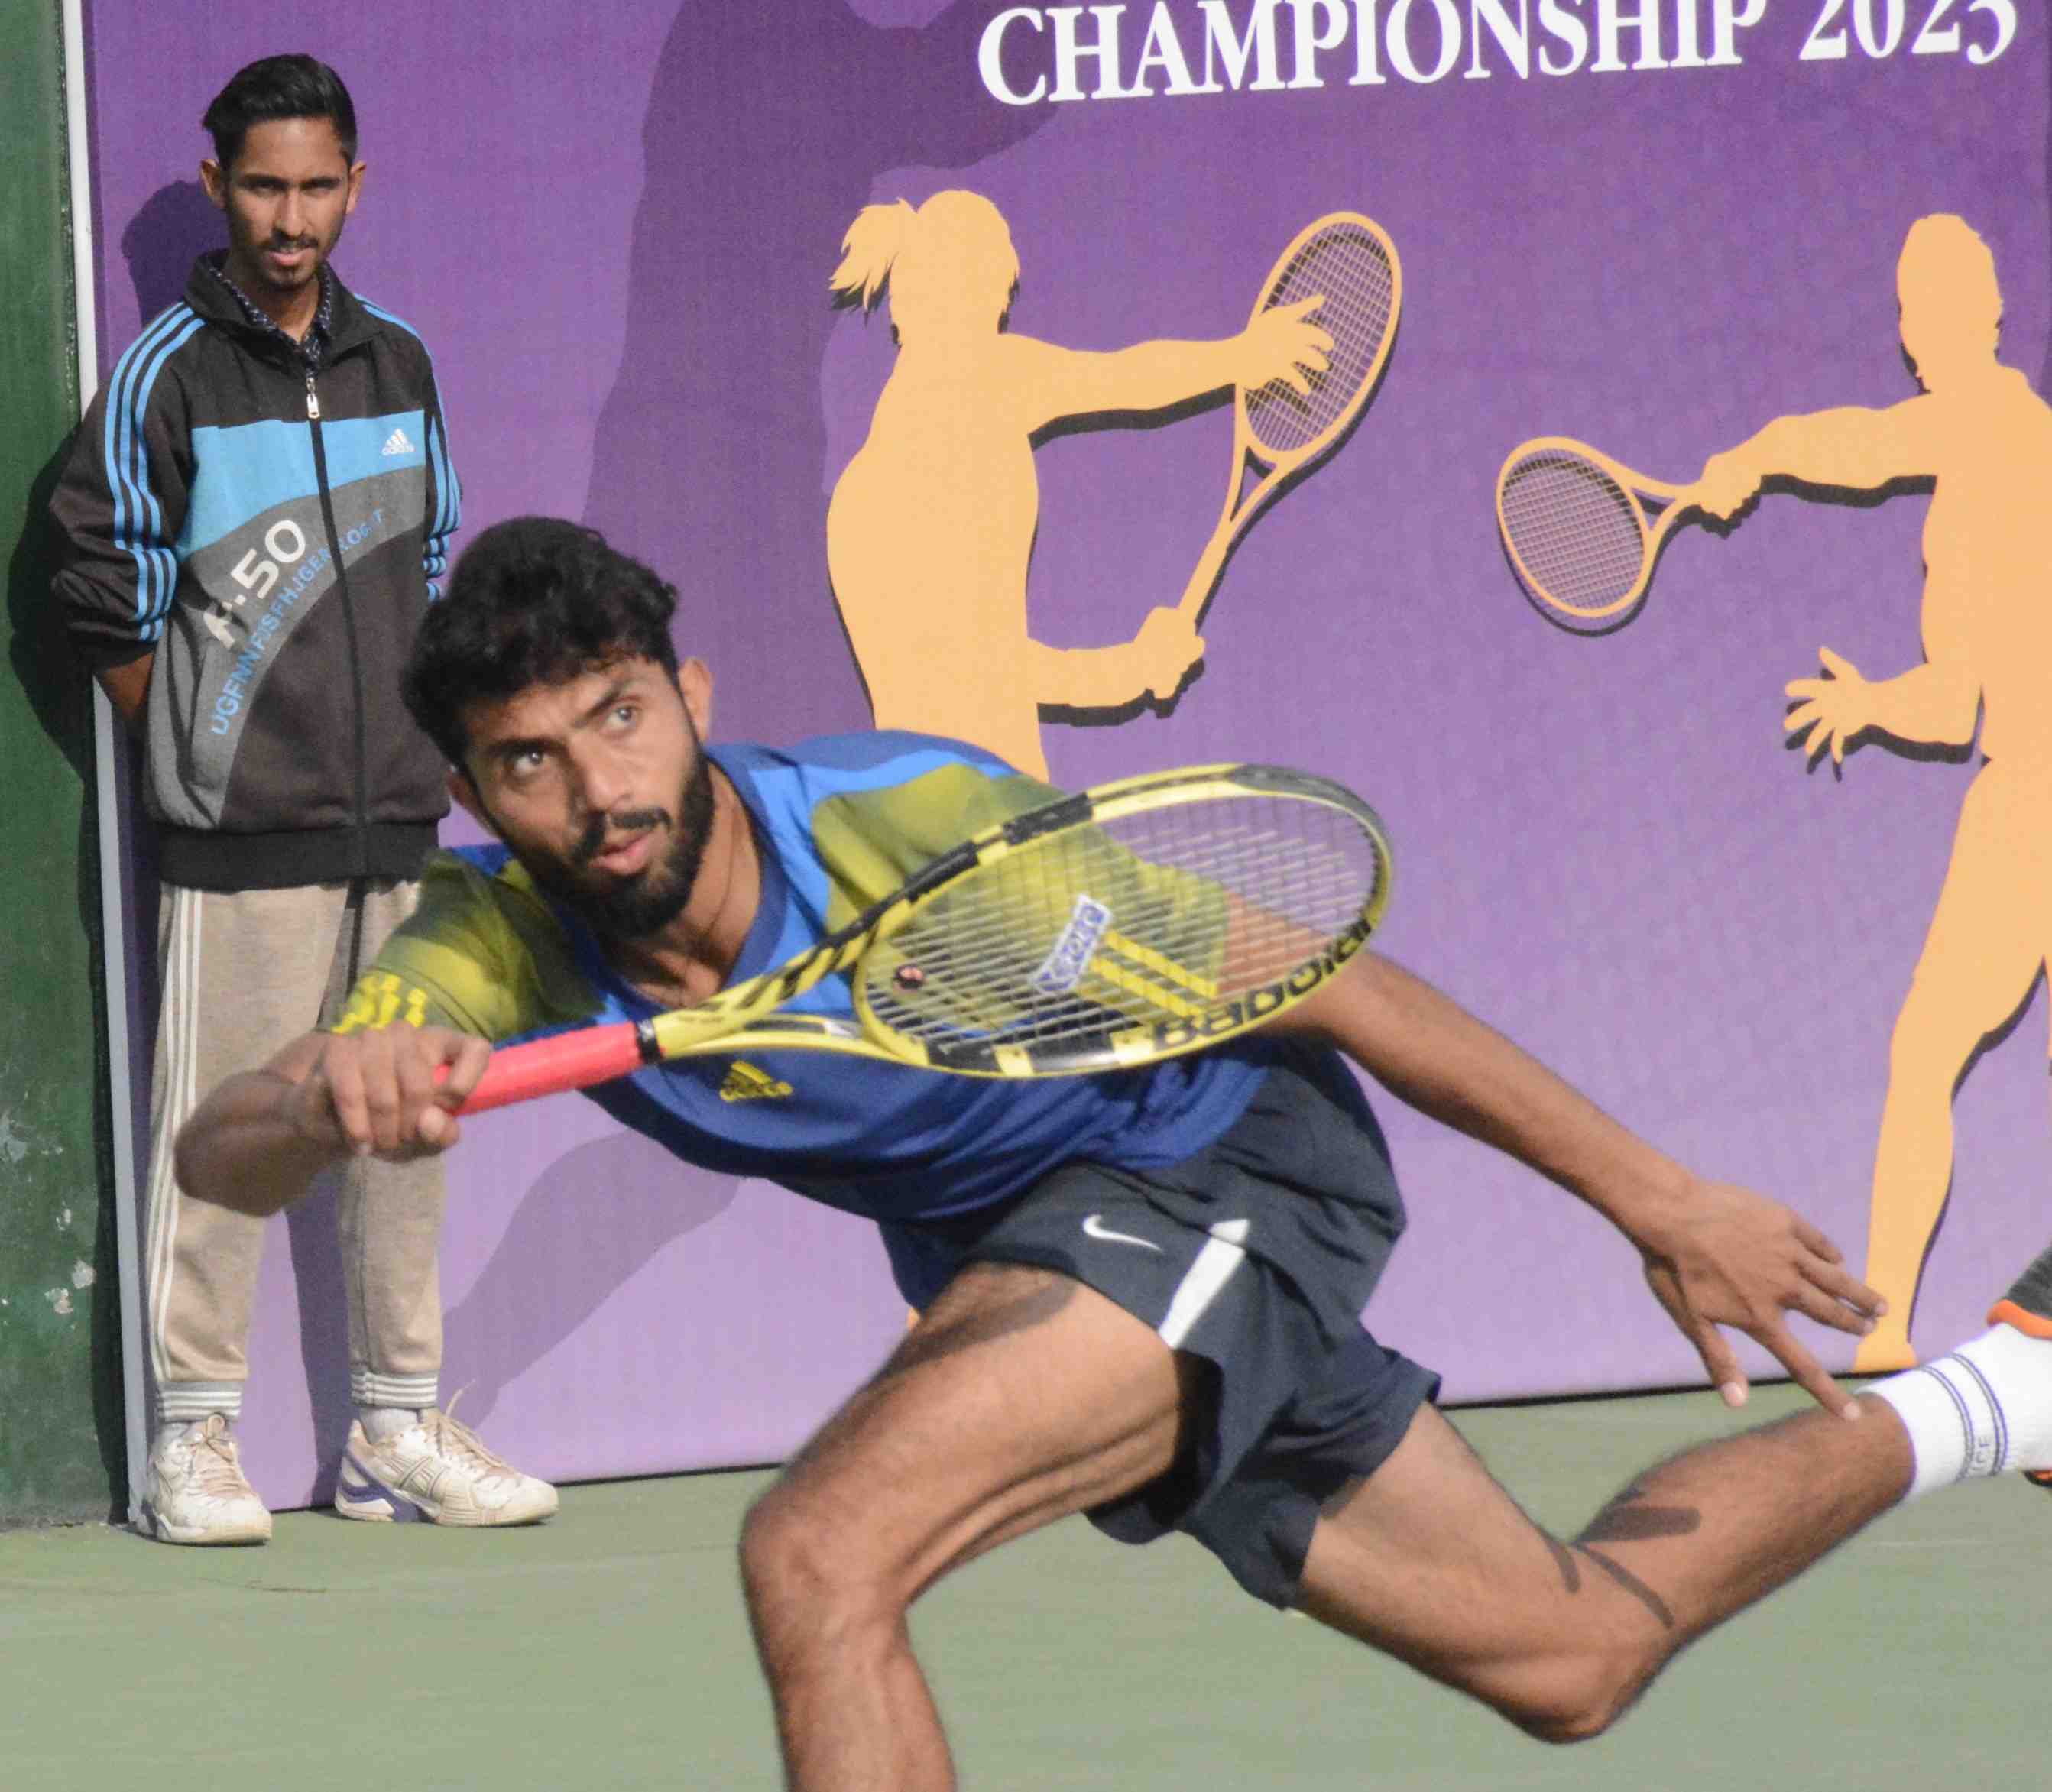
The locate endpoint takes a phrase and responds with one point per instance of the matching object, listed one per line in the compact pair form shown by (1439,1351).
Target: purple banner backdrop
(615,231)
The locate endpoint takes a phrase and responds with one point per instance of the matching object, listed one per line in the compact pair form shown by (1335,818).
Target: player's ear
(355,189)
(463,794)
(694,685)
(215,182)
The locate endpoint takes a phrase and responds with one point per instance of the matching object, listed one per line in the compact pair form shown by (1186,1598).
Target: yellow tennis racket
(1576,524)
(1279,434)
(1139,920)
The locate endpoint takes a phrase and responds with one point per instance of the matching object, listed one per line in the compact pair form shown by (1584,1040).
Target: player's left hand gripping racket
(1279,435)
(1140,920)
(1574,522)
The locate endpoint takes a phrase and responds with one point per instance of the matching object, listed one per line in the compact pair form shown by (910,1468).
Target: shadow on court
(609,1649)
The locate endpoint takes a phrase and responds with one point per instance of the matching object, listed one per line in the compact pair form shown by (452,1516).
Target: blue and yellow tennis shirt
(841,822)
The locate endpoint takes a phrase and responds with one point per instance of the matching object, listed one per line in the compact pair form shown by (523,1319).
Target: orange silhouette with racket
(931,526)
(1981,440)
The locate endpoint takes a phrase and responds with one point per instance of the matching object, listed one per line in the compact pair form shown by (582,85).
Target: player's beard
(634,908)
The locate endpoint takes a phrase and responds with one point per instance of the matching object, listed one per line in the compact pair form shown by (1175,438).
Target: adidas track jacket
(273,536)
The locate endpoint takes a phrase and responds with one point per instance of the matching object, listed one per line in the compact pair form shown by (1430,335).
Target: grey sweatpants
(242,975)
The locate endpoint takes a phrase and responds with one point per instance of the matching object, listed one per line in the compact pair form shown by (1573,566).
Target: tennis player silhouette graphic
(931,524)
(1983,439)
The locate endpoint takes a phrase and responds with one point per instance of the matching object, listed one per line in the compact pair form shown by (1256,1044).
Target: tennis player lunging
(1140,1292)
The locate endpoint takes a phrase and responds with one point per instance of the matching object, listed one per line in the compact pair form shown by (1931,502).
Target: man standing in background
(250,525)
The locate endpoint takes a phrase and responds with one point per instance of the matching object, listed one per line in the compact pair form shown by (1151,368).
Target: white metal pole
(109,751)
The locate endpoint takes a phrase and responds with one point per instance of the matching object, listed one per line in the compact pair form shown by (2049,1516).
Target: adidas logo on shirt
(744,1083)
(396,443)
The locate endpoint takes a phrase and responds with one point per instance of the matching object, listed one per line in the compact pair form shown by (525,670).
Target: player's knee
(783,1558)
(797,1565)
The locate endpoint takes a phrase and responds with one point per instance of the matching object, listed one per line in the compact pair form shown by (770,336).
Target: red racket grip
(547,1066)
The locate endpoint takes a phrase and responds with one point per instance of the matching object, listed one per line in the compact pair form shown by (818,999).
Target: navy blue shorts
(1254,1257)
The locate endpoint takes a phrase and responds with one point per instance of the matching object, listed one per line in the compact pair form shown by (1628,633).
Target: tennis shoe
(439,1470)
(195,1491)
(2027,1307)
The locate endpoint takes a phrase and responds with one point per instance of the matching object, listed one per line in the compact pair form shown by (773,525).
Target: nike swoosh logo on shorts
(1095,1227)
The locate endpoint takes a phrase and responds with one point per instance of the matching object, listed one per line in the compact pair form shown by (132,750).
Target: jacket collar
(349,326)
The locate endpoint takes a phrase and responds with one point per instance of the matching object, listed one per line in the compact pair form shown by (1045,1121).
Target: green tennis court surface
(609,1649)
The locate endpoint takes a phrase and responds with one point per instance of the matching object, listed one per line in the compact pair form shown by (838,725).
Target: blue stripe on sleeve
(391,317)
(139,520)
(150,526)
(449,492)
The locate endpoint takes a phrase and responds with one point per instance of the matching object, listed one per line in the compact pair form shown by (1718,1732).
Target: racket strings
(1017,908)
(1154,916)
(1351,267)
(1577,535)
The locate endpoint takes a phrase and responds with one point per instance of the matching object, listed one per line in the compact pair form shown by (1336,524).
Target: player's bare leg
(1433,1562)
(1021,1396)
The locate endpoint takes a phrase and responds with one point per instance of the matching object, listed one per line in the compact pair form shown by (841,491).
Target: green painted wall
(60,1432)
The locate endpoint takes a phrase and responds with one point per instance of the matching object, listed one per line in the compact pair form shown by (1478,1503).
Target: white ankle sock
(380,1422)
(1979,1410)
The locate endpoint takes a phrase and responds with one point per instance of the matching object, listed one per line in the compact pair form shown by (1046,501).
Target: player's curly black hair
(535,600)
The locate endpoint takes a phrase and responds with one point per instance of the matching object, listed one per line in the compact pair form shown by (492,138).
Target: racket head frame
(1146,1042)
(1286,466)
(1631,490)
(1286,462)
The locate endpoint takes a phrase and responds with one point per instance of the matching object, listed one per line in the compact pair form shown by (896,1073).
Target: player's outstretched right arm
(257,1142)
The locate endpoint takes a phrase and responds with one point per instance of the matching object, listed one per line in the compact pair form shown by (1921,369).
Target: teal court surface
(608,1648)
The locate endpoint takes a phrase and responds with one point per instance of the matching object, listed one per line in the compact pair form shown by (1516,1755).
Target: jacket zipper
(349,624)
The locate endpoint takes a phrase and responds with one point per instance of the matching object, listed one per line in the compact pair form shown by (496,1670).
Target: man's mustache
(627,821)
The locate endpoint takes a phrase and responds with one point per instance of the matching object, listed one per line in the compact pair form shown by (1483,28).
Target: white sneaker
(195,1492)
(438,1469)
